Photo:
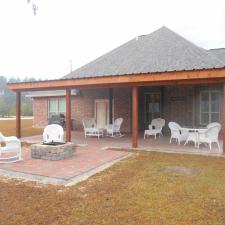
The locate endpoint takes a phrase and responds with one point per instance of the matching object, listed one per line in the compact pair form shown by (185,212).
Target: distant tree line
(8,98)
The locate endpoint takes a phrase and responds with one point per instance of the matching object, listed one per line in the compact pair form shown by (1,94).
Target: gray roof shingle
(219,53)
(163,50)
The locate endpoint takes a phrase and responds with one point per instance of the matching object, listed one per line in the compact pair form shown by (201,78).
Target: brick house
(156,75)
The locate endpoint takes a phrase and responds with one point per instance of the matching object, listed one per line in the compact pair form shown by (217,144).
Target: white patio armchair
(53,133)
(12,145)
(210,136)
(91,129)
(155,128)
(113,130)
(213,124)
(177,132)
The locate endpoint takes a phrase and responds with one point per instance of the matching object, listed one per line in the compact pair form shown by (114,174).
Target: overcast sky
(42,46)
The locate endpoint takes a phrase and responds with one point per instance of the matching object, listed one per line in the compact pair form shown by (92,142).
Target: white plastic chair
(155,128)
(53,133)
(210,136)
(91,129)
(113,130)
(177,132)
(12,145)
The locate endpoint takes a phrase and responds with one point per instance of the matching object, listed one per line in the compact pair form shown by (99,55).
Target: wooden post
(224,119)
(68,115)
(110,105)
(135,117)
(18,114)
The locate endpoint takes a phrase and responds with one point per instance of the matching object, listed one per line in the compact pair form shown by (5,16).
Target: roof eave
(122,80)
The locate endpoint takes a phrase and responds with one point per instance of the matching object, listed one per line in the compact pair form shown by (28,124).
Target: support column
(135,117)
(110,105)
(224,119)
(18,114)
(68,115)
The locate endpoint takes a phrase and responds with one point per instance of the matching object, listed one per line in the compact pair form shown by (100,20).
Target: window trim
(210,106)
(58,99)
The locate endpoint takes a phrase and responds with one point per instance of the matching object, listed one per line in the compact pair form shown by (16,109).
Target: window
(209,107)
(56,106)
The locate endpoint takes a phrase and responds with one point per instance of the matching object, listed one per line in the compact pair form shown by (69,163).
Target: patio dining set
(203,135)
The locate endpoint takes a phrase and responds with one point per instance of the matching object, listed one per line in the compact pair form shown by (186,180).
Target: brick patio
(92,155)
(86,161)
(150,144)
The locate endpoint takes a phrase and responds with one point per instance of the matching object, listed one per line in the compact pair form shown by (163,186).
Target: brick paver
(92,154)
(84,160)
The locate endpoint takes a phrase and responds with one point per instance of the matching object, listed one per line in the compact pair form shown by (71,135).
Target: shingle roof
(163,50)
(219,53)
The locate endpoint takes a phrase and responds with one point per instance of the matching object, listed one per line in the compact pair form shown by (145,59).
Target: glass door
(152,107)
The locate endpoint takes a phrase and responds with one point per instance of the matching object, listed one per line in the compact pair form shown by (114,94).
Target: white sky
(41,46)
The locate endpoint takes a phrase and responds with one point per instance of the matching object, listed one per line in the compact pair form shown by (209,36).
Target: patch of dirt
(183,170)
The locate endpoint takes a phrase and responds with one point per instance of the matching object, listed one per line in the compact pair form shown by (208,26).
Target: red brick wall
(122,107)
(83,107)
(40,109)
(182,104)
(179,104)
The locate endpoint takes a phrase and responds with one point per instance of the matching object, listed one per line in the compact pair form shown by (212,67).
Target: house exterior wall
(83,106)
(122,107)
(180,104)
(40,112)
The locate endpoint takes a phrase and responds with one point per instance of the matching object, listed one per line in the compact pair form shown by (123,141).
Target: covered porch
(136,84)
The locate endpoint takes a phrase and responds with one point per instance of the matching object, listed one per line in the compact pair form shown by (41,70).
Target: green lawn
(148,188)
(8,127)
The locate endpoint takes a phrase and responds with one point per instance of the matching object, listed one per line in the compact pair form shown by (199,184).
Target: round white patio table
(193,135)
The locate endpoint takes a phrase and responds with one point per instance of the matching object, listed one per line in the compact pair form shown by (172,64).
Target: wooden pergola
(206,76)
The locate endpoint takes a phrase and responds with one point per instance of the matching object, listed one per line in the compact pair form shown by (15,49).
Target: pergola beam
(68,115)
(154,79)
(135,117)
(224,118)
(110,105)
(18,114)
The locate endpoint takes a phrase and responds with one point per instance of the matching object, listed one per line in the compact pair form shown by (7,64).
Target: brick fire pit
(52,152)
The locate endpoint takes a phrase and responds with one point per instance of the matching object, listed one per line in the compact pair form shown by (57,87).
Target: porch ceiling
(150,79)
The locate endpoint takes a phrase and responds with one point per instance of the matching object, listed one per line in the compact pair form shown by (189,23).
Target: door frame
(105,100)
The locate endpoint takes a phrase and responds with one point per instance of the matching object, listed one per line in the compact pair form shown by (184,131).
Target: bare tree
(33,5)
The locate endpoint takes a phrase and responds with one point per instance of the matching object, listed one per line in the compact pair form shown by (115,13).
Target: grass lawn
(8,128)
(148,188)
